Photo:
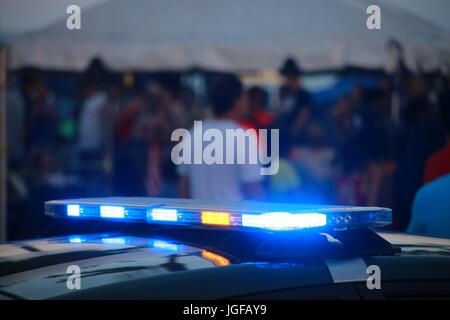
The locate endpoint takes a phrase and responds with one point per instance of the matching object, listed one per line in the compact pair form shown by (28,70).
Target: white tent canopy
(232,35)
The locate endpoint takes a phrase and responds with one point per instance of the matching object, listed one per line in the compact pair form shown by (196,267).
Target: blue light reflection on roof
(115,241)
(76,240)
(161,244)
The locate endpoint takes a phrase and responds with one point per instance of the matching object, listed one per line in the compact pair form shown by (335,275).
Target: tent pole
(3,155)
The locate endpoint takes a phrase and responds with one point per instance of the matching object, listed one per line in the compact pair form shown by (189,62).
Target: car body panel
(146,267)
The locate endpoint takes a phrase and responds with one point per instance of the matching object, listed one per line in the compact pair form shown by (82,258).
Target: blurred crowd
(372,146)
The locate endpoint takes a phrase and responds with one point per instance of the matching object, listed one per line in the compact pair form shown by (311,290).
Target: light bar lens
(112,212)
(284,220)
(160,214)
(73,210)
(216,218)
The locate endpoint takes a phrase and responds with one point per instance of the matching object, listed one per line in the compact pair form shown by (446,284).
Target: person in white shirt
(91,122)
(91,138)
(226,182)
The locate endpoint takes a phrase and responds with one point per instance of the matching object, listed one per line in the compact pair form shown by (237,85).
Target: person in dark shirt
(438,164)
(295,102)
(422,136)
(259,116)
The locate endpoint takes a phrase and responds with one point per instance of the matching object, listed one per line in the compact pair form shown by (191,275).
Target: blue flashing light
(269,217)
(73,210)
(284,220)
(162,214)
(114,212)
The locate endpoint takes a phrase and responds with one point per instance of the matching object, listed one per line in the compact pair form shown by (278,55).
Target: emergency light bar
(246,215)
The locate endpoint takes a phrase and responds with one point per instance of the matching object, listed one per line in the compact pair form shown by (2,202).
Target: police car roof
(115,266)
(222,250)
